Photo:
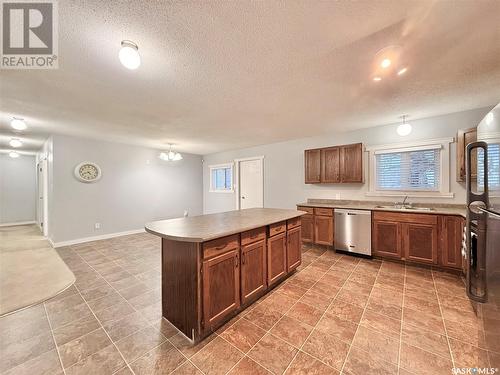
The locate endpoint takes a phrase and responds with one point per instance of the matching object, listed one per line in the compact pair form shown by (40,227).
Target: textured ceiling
(220,75)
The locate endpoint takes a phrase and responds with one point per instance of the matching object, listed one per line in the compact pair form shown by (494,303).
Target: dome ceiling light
(14,142)
(129,55)
(405,128)
(18,124)
(13,154)
(170,155)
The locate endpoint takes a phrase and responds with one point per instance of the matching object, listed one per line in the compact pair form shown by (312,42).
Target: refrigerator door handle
(477,203)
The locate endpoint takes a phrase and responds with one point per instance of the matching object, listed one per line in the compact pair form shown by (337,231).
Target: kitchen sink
(399,207)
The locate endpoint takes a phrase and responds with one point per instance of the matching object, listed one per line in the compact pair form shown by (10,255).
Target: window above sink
(417,169)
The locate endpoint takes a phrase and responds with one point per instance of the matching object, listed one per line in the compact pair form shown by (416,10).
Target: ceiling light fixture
(14,142)
(377,79)
(129,55)
(385,63)
(405,128)
(170,155)
(402,71)
(18,124)
(13,154)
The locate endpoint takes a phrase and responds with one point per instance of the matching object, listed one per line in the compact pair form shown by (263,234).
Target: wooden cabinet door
(276,258)
(351,163)
(293,249)
(464,137)
(307,232)
(221,287)
(386,239)
(420,242)
(323,230)
(451,230)
(253,270)
(312,161)
(330,165)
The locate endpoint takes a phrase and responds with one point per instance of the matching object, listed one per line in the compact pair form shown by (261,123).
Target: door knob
(242,197)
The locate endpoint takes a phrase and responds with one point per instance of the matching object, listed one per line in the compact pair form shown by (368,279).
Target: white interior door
(42,196)
(251,183)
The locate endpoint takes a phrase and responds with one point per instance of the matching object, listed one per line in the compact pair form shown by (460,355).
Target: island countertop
(208,227)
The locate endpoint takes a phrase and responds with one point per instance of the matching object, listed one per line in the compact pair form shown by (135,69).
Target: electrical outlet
(97,226)
(337,196)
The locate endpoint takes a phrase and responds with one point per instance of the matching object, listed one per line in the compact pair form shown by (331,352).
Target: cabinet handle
(243,258)
(220,247)
(236,261)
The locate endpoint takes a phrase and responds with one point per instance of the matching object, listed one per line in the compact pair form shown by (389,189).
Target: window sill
(221,191)
(410,194)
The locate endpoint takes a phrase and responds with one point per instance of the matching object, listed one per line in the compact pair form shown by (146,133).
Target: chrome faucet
(403,204)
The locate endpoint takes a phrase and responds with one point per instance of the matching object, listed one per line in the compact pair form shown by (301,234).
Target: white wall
(284,163)
(136,187)
(17,189)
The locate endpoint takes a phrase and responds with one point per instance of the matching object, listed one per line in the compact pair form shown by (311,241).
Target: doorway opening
(249,182)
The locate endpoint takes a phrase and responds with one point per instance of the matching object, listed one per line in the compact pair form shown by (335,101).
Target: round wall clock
(87,172)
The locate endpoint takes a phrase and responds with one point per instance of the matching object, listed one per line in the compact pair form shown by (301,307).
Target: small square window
(221,178)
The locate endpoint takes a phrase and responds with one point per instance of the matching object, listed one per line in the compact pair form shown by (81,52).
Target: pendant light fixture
(170,155)
(405,128)
(129,55)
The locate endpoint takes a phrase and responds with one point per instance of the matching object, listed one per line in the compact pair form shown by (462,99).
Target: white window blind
(493,167)
(416,169)
(221,178)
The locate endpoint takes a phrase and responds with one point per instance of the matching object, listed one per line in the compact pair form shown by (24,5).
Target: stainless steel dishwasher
(353,231)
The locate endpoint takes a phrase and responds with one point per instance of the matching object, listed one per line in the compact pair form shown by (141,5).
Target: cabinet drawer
(293,223)
(309,210)
(253,235)
(220,246)
(277,228)
(406,217)
(323,211)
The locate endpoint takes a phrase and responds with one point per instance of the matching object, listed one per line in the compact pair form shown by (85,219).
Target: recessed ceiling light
(402,71)
(129,55)
(377,79)
(14,142)
(18,124)
(385,63)
(13,154)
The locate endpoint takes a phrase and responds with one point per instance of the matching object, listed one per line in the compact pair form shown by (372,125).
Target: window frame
(444,173)
(221,166)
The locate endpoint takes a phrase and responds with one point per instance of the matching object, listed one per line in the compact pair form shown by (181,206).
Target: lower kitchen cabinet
(420,242)
(253,270)
(276,258)
(293,249)
(386,239)
(451,234)
(307,234)
(323,230)
(221,287)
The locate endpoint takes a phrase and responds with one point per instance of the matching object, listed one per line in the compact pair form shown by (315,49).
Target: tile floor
(338,314)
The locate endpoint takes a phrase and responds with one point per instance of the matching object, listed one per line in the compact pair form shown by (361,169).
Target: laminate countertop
(439,209)
(208,227)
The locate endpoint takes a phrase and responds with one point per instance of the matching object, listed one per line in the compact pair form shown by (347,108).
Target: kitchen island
(214,266)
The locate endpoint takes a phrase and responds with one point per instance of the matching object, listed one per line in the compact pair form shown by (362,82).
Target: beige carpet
(31,271)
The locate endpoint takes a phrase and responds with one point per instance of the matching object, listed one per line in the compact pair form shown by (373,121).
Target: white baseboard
(94,238)
(17,223)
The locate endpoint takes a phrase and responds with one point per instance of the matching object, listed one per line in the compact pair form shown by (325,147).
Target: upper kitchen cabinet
(464,137)
(331,165)
(312,159)
(351,163)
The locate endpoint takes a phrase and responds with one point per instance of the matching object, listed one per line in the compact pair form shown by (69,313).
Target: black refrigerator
(483,226)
